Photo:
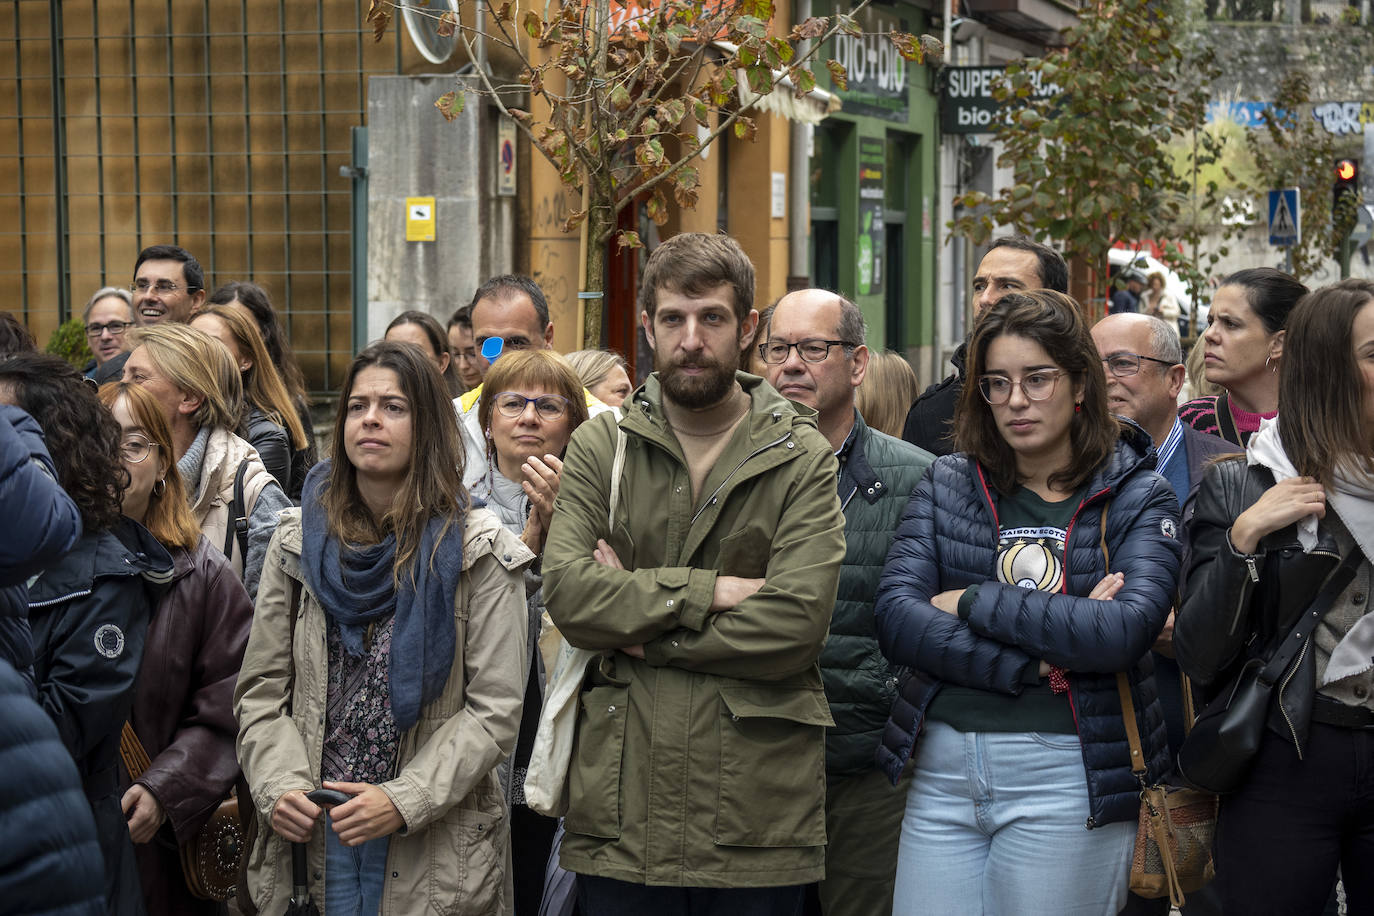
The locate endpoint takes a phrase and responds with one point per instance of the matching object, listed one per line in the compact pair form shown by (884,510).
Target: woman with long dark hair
(1269,535)
(90,610)
(1243,353)
(424,331)
(385,661)
(183,712)
(1030,568)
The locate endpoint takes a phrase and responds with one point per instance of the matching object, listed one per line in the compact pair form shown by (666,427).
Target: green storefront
(873,182)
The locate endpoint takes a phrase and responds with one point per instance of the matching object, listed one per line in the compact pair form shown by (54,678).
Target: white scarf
(1352,498)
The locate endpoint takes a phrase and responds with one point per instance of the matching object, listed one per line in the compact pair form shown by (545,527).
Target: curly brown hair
(82,436)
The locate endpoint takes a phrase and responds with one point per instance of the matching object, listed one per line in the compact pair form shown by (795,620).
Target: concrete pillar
(414,152)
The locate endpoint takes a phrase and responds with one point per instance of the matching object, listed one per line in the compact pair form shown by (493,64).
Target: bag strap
(617,468)
(1307,622)
(1123,683)
(131,750)
(237,529)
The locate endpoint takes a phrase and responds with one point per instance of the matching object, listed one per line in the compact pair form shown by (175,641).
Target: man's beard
(695,392)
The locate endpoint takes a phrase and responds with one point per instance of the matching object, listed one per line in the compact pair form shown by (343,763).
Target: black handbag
(1216,755)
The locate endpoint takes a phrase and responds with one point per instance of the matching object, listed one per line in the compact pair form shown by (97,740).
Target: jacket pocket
(772,767)
(594,777)
(477,840)
(745,553)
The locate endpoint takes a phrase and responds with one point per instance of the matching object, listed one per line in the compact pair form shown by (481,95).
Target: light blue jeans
(995,825)
(353,875)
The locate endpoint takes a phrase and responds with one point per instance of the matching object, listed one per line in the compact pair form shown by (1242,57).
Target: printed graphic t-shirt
(1030,554)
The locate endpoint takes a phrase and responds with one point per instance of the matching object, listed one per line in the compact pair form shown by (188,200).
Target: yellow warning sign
(419,219)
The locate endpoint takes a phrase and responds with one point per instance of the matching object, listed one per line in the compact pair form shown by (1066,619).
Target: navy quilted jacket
(948,539)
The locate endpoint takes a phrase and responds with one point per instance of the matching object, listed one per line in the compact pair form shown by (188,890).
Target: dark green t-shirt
(1030,553)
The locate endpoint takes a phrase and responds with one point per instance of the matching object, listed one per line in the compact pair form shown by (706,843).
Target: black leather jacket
(1235,606)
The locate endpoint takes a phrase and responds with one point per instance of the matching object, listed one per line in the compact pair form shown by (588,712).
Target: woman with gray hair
(604,373)
(107,316)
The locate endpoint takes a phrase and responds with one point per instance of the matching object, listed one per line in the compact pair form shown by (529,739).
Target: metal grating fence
(218,126)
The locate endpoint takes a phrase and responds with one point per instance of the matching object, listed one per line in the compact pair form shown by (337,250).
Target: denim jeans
(995,824)
(353,875)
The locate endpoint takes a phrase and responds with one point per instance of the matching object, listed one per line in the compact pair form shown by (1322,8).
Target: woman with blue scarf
(386,661)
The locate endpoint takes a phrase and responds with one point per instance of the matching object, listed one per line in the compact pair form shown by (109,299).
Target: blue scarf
(354,586)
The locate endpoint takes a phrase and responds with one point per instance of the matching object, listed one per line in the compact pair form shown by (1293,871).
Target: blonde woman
(270,422)
(197,386)
(604,373)
(887,393)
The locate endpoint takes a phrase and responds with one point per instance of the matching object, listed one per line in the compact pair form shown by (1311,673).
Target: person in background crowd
(269,421)
(1268,532)
(1126,298)
(1144,363)
(31,501)
(472,366)
(183,711)
(252,299)
(50,861)
(888,390)
(14,337)
(815,356)
(697,780)
(531,404)
(424,331)
(386,659)
(1158,302)
(108,314)
(513,308)
(1244,353)
(199,390)
(1197,385)
(1029,568)
(168,286)
(604,373)
(89,611)
(1013,264)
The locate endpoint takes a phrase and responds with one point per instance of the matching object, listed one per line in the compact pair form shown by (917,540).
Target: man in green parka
(697,780)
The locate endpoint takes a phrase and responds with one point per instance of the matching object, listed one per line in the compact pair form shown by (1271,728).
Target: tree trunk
(599,223)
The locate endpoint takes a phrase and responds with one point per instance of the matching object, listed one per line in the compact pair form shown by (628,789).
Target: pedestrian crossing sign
(1285,217)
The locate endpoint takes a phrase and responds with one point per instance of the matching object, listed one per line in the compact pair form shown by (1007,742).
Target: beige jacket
(448,858)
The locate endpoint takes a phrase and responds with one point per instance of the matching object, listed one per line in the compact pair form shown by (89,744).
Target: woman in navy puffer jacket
(998,595)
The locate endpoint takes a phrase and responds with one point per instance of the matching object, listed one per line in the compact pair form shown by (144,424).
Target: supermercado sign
(966,102)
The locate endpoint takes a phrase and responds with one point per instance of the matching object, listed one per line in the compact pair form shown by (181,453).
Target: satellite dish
(422,22)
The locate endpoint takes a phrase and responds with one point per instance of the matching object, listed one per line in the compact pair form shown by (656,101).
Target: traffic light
(1347,183)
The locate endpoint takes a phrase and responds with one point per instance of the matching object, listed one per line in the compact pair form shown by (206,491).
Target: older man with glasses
(1144,363)
(108,314)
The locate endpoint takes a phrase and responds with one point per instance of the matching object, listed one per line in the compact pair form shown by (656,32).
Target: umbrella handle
(325,797)
(300,865)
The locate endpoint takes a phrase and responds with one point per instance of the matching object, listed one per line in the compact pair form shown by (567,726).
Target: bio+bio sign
(876,73)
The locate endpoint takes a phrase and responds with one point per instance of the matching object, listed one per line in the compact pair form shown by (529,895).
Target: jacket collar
(211,462)
(856,471)
(127,549)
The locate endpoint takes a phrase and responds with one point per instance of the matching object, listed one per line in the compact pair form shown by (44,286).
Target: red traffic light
(1346,170)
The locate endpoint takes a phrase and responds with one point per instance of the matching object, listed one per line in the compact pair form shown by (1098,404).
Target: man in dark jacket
(1144,363)
(50,862)
(1012,263)
(814,354)
(45,523)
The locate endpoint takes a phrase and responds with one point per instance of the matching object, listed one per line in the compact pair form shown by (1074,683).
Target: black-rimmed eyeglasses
(1124,365)
(811,350)
(117,328)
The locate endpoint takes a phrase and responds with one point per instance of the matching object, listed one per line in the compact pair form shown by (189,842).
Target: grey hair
(105,292)
(1164,342)
(852,330)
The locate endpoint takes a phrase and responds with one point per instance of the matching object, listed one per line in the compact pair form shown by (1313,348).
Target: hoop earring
(1274,367)
(160,487)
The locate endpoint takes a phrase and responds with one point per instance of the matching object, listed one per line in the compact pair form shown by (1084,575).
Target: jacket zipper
(1293,669)
(51,601)
(716,492)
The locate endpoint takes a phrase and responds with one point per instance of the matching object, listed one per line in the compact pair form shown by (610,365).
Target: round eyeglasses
(135,449)
(546,406)
(1037,386)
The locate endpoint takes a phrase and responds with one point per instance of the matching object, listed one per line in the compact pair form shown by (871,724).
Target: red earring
(1078,408)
